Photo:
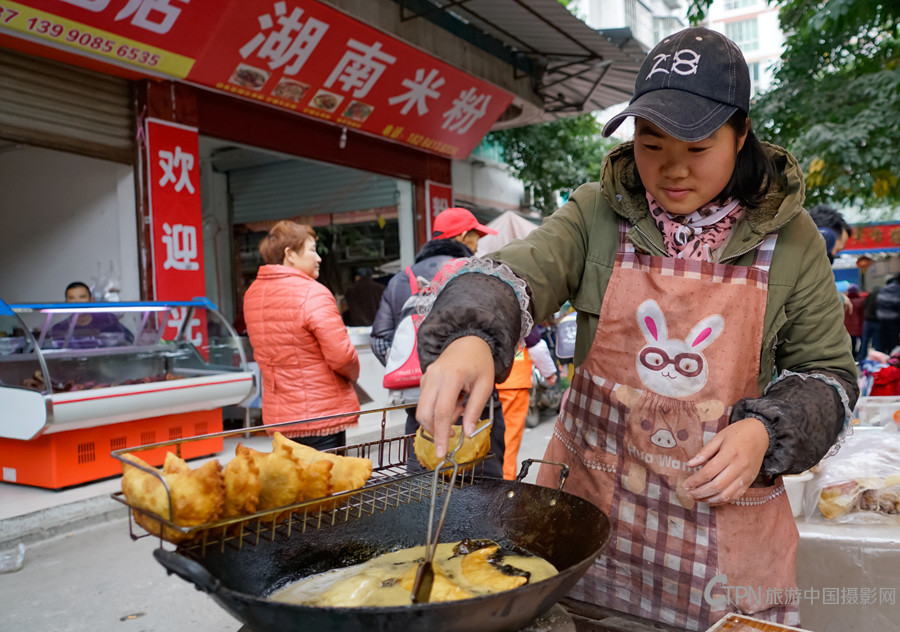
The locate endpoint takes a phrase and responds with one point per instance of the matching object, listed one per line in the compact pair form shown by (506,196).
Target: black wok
(560,527)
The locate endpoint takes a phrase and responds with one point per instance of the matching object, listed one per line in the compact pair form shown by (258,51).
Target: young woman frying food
(711,352)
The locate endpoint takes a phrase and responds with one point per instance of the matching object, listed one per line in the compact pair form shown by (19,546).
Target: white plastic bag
(860,484)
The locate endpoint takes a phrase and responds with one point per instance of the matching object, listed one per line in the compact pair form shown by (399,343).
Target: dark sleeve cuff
(473,304)
(803,415)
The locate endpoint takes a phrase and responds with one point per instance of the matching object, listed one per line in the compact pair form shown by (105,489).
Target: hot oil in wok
(463,569)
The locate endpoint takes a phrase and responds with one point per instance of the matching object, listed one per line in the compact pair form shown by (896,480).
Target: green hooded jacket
(570,258)
(807,377)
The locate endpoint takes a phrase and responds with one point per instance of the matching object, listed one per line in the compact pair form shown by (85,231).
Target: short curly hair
(284,234)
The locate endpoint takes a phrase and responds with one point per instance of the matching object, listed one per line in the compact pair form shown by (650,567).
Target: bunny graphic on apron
(677,344)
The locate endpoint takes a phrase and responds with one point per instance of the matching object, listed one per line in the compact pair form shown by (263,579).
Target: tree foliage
(554,158)
(835,102)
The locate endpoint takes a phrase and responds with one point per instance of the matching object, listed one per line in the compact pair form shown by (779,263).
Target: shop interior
(361,219)
(69,217)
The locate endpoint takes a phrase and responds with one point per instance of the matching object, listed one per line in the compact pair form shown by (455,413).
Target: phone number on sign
(83,38)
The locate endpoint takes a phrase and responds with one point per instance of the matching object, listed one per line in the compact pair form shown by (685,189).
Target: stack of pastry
(866,493)
(252,481)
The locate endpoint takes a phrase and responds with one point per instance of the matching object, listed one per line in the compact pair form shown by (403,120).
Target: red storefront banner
(156,36)
(298,55)
(437,198)
(176,223)
(873,238)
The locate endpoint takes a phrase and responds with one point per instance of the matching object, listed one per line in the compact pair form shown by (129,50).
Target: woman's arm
(804,409)
(807,406)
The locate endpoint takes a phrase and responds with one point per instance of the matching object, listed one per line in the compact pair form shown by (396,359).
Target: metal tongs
(421,590)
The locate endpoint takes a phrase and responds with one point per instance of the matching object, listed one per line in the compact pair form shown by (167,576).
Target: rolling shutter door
(58,106)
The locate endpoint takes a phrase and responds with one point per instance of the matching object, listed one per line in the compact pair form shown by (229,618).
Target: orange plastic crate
(62,459)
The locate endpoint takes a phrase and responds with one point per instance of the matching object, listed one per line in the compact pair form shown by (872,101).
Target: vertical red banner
(177,226)
(437,198)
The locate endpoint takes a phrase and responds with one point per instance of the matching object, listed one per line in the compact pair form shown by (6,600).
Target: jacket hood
(445,247)
(782,203)
(278,271)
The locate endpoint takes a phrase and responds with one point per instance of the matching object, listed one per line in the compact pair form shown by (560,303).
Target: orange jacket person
(515,395)
(305,356)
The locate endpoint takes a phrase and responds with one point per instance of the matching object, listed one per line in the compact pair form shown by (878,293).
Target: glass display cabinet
(78,380)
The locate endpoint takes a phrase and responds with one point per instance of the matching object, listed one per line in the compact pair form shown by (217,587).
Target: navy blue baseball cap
(689,85)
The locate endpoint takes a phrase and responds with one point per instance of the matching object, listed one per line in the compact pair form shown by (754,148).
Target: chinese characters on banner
(305,56)
(177,228)
(437,198)
(874,237)
(299,55)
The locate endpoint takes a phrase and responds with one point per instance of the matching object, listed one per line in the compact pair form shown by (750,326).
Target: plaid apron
(676,346)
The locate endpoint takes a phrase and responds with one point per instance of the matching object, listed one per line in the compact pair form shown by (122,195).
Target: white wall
(62,215)
(482,181)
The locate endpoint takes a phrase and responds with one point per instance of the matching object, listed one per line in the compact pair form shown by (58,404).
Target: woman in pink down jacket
(305,356)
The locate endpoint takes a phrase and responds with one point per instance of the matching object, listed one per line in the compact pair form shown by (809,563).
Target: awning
(576,69)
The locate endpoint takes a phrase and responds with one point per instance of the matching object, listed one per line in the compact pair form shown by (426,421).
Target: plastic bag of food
(860,484)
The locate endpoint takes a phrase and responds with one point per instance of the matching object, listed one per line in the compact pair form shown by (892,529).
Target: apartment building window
(732,5)
(754,76)
(744,33)
(631,13)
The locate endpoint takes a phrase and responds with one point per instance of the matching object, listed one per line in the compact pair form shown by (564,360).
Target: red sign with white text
(305,56)
(158,36)
(299,55)
(437,198)
(874,237)
(177,227)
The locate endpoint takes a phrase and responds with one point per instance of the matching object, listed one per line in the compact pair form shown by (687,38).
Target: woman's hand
(465,366)
(732,462)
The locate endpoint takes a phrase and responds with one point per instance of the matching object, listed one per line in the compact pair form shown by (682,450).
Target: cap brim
(686,116)
(484,230)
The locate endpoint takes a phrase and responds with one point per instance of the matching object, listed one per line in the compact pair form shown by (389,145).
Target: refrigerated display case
(78,380)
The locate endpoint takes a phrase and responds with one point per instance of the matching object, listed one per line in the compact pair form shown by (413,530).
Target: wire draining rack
(390,485)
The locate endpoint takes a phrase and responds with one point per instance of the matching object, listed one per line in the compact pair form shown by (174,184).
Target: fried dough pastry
(472,448)
(198,495)
(347,473)
(174,464)
(443,588)
(242,486)
(477,568)
(280,480)
(284,479)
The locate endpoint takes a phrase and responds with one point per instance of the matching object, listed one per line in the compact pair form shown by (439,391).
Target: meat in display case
(79,380)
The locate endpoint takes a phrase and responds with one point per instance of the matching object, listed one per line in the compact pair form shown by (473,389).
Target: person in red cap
(455,235)
(460,224)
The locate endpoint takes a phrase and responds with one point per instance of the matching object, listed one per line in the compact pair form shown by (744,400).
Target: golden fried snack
(173,464)
(476,568)
(316,484)
(472,448)
(198,495)
(443,588)
(316,480)
(242,486)
(280,479)
(347,473)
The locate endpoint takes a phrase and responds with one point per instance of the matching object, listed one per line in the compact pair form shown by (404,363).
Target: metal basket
(390,485)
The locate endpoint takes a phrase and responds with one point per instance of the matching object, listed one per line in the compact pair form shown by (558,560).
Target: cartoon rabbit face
(674,368)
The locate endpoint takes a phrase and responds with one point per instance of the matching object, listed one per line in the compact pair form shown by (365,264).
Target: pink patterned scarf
(698,235)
